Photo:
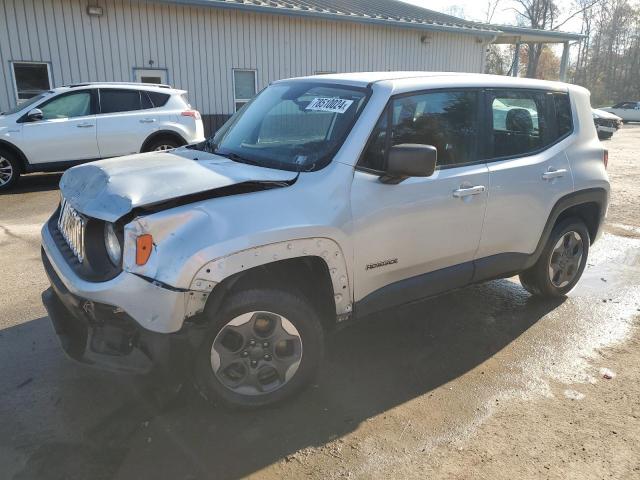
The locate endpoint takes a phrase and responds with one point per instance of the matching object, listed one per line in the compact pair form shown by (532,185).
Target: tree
(544,15)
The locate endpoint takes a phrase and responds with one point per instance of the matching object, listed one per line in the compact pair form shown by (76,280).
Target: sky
(476,10)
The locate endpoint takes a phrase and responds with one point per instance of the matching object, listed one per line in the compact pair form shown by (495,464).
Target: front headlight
(112,244)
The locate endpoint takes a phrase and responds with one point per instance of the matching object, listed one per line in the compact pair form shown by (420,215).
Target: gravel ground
(485,382)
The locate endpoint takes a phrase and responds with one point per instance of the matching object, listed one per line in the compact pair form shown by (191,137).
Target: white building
(224,51)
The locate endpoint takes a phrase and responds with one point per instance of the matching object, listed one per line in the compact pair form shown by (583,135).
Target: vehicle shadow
(35,182)
(380,363)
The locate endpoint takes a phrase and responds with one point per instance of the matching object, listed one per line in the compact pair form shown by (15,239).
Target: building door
(150,75)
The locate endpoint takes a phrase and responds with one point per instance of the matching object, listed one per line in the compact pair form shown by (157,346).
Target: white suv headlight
(112,244)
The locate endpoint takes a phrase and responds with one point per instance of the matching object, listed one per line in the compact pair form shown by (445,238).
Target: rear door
(527,133)
(67,131)
(422,224)
(125,120)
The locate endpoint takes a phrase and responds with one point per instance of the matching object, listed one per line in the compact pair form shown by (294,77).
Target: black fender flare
(504,265)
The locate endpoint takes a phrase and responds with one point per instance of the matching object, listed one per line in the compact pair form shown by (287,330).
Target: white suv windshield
(25,104)
(291,126)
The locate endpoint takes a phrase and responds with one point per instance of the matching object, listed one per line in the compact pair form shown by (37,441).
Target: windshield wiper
(237,158)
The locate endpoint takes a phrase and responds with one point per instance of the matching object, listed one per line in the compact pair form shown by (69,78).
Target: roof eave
(434,27)
(511,34)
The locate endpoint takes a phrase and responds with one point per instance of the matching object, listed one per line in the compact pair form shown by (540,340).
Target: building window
(30,78)
(150,75)
(244,87)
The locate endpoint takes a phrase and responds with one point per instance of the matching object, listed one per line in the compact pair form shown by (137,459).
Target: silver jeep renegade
(321,201)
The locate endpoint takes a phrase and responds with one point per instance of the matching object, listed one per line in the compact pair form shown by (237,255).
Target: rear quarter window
(158,99)
(564,118)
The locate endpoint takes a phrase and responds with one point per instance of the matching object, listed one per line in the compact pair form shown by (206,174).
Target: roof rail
(86,84)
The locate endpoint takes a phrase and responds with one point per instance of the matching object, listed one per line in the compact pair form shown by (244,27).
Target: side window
(446,120)
(375,152)
(112,101)
(518,123)
(564,119)
(71,105)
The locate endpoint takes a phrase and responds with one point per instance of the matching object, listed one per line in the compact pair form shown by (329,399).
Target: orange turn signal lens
(144,244)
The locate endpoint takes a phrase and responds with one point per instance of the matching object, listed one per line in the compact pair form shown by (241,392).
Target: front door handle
(467,191)
(85,125)
(553,173)
(147,120)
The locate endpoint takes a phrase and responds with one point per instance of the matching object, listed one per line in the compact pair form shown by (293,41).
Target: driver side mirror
(411,160)
(35,115)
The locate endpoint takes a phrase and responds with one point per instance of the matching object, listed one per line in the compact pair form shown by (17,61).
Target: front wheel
(9,170)
(261,347)
(561,262)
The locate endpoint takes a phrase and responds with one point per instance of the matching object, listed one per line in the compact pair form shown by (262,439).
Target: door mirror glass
(412,160)
(34,115)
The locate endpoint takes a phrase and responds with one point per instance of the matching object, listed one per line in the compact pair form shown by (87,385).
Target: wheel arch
(315,267)
(160,134)
(4,145)
(590,205)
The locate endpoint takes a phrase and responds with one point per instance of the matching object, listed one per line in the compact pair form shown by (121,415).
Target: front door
(419,236)
(67,131)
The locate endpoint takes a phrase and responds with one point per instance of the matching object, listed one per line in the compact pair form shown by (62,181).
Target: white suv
(322,201)
(79,123)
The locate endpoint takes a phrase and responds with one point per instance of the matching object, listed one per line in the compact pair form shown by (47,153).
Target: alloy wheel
(566,256)
(163,148)
(6,171)
(256,353)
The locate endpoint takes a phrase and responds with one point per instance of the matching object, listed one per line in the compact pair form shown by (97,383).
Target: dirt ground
(485,382)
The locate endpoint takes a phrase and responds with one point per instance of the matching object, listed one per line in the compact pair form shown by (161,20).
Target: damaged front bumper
(154,307)
(127,324)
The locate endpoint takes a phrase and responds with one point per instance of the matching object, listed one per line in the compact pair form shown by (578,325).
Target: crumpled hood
(109,189)
(604,114)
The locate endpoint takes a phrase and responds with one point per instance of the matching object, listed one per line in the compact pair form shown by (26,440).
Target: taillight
(192,113)
(605,158)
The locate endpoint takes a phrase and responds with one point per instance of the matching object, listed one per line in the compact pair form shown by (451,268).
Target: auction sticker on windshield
(323,104)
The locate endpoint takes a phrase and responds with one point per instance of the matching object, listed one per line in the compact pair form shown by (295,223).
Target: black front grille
(95,266)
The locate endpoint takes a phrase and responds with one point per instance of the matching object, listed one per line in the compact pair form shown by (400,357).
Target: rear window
(112,101)
(519,123)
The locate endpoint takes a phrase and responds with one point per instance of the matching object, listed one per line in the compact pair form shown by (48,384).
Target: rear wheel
(262,346)
(562,261)
(9,170)
(162,144)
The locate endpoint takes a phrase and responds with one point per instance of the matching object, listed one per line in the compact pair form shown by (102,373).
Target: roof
(362,79)
(387,12)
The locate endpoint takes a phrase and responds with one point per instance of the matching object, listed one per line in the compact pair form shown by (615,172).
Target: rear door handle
(551,174)
(85,125)
(147,120)
(467,191)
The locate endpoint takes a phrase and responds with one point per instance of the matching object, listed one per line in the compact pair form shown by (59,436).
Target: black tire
(162,143)
(297,310)
(537,280)
(9,165)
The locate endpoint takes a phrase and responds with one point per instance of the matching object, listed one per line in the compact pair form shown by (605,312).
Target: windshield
(25,104)
(291,126)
